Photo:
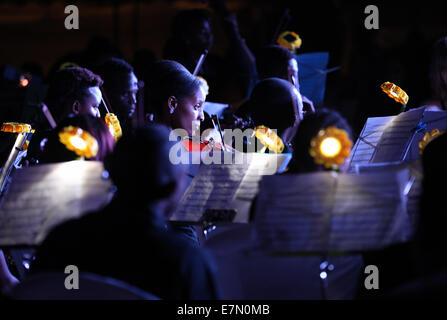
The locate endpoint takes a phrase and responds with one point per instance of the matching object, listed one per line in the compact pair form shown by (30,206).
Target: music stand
(312,71)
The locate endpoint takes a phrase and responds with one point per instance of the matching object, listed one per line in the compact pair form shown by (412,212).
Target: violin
(193,144)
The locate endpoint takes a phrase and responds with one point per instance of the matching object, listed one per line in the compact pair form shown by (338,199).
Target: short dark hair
(308,128)
(142,155)
(68,85)
(272,61)
(168,78)
(114,73)
(271,104)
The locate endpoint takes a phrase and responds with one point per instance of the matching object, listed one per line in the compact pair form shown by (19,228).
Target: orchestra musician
(176,99)
(231,75)
(72,90)
(274,104)
(128,239)
(279,62)
(54,151)
(302,162)
(120,88)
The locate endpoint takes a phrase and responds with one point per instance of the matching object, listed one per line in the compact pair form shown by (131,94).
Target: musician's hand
(308,106)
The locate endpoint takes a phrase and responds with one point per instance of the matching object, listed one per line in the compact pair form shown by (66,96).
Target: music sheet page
(43,196)
(325,211)
(366,144)
(228,186)
(397,136)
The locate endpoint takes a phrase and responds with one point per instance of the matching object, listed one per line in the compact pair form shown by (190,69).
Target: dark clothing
(230,77)
(131,245)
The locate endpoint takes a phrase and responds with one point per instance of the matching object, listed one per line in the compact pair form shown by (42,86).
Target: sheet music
(412,189)
(227,186)
(397,136)
(366,144)
(43,196)
(295,217)
(214,108)
(326,212)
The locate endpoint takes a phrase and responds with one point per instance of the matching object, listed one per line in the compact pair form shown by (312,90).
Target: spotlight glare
(78,143)
(24,82)
(330,147)
(268,141)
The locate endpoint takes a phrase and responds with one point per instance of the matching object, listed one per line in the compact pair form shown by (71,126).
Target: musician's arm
(239,54)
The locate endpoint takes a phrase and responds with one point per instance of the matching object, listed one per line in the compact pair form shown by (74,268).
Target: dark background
(33,37)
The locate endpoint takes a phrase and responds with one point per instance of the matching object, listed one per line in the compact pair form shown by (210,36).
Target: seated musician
(176,98)
(390,259)
(230,75)
(121,87)
(279,62)
(128,239)
(429,260)
(287,275)
(55,151)
(274,104)
(302,161)
(72,90)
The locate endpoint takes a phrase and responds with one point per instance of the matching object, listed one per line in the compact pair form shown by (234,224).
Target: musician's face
(89,104)
(189,112)
(125,102)
(201,37)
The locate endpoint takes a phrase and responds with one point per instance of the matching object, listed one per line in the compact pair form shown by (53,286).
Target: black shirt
(133,246)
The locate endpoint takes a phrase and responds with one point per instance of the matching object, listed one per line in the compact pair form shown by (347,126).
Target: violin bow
(46,112)
(216,124)
(200,62)
(104,99)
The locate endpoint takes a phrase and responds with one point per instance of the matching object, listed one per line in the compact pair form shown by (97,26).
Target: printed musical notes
(412,189)
(397,136)
(366,145)
(332,212)
(43,196)
(228,186)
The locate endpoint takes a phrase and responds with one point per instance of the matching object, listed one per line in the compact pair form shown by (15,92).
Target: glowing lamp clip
(330,147)
(114,125)
(79,141)
(289,40)
(15,127)
(396,93)
(428,137)
(269,139)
